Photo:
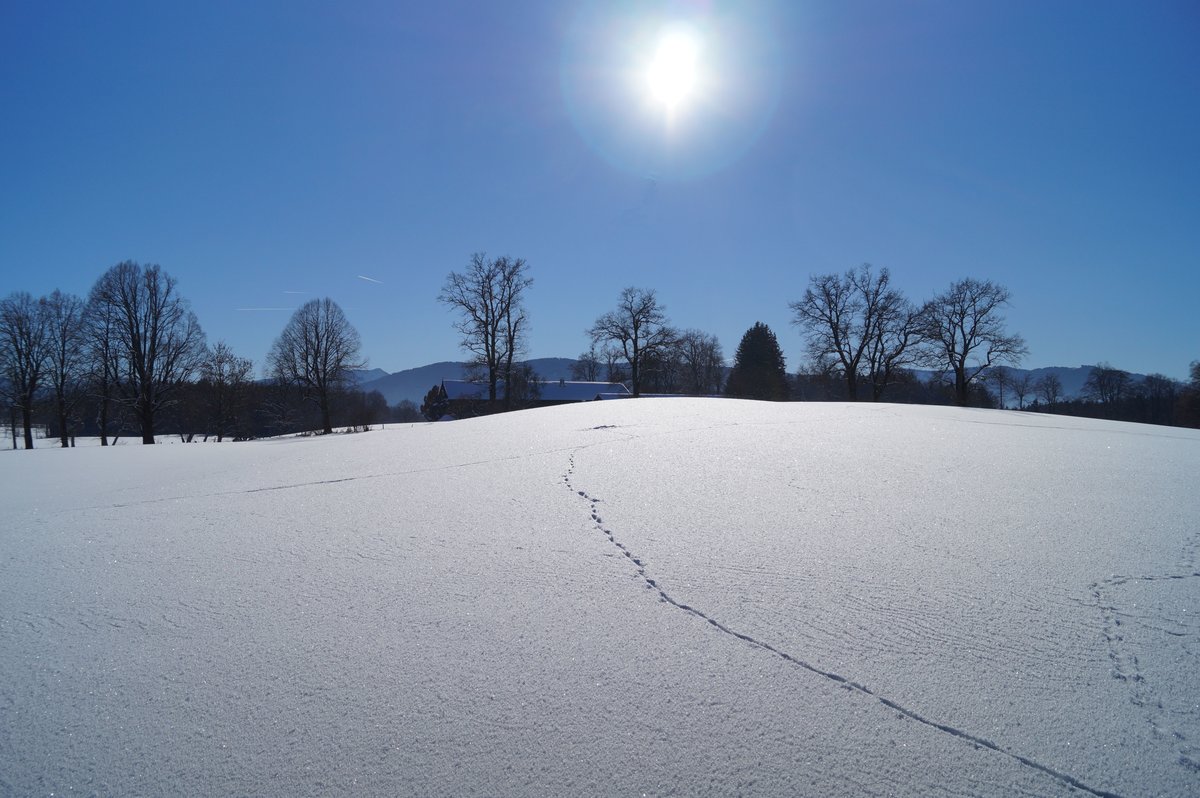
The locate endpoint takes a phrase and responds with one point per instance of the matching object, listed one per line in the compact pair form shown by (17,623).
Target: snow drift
(681,597)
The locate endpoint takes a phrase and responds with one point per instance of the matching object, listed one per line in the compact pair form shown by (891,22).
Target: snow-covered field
(42,441)
(661,597)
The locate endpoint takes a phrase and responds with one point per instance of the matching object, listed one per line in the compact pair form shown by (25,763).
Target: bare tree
(999,378)
(102,353)
(966,334)
(1022,386)
(858,324)
(158,337)
(703,362)
(828,317)
(663,370)
(614,365)
(587,366)
(1049,389)
(366,409)
(1188,411)
(816,381)
(523,387)
(67,361)
(638,327)
(316,352)
(1159,395)
(279,406)
(224,383)
(1106,385)
(405,412)
(893,326)
(24,353)
(489,296)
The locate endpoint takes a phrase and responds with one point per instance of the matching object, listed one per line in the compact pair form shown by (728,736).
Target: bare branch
(966,333)
(639,327)
(317,351)
(154,334)
(489,297)
(857,325)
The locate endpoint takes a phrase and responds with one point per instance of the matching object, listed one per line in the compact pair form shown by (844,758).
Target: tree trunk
(326,422)
(63,438)
(27,422)
(635,370)
(102,420)
(146,414)
(960,388)
(508,381)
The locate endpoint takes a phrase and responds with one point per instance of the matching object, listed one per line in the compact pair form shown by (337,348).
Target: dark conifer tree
(436,403)
(758,369)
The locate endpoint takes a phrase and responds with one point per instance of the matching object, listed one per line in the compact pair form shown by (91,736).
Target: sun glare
(673,73)
(676,93)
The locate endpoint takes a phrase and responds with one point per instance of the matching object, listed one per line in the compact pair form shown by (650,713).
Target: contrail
(369,279)
(295,292)
(254,309)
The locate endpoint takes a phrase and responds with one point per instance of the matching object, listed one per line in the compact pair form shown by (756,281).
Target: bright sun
(673,73)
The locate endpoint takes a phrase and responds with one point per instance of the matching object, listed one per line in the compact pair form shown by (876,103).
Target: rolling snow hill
(685,597)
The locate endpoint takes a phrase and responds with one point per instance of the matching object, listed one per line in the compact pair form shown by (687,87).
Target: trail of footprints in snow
(1125,664)
(844,682)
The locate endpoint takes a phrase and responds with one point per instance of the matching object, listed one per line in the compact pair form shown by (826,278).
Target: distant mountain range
(364,376)
(413,384)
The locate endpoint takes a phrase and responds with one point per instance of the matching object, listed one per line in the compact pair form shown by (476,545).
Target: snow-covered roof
(461,389)
(573,391)
(551,390)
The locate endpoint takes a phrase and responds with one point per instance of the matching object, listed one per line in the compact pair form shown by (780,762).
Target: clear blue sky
(265,153)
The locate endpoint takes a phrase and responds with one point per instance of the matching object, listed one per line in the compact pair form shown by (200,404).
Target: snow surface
(661,597)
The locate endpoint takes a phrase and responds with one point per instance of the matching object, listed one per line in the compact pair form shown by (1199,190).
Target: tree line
(865,340)
(132,358)
(859,330)
(1115,394)
(632,344)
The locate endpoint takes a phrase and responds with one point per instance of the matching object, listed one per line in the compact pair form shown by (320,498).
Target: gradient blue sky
(265,153)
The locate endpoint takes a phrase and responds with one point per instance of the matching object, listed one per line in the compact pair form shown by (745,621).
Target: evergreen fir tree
(758,369)
(436,404)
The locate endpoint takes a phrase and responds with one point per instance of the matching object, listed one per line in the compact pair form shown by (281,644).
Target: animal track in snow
(844,682)
(1121,628)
